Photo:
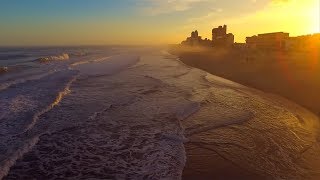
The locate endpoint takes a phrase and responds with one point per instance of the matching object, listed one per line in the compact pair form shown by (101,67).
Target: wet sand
(204,163)
(295,76)
(292,75)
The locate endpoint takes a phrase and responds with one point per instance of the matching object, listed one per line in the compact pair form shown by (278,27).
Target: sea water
(127,112)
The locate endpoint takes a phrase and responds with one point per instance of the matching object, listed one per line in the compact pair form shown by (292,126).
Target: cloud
(157,7)
(211,14)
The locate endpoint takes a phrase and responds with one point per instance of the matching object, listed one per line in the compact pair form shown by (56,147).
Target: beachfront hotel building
(271,41)
(305,42)
(267,41)
(221,38)
(196,40)
(282,41)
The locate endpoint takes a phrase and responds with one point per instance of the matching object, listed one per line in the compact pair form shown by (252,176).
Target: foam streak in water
(8,163)
(59,97)
(6,85)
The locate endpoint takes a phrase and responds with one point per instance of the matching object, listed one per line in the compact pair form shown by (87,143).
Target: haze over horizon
(160,89)
(35,22)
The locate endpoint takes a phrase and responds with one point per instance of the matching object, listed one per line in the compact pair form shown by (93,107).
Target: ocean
(117,112)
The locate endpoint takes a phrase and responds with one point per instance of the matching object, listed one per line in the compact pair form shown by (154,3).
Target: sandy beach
(278,73)
(204,163)
(292,75)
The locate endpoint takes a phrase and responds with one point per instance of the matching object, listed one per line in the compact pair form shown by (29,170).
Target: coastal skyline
(33,23)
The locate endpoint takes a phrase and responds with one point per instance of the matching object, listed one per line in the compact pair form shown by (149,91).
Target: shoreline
(278,73)
(205,161)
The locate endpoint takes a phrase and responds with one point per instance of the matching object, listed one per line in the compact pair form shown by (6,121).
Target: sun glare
(305,16)
(314,14)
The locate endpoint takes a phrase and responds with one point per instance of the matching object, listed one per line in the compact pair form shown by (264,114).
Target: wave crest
(61,57)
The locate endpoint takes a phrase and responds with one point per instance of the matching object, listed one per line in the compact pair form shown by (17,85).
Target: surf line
(6,164)
(58,99)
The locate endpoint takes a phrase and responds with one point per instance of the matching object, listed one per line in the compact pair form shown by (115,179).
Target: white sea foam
(102,67)
(57,100)
(7,84)
(90,61)
(142,135)
(61,57)
(14,106)
(20,146)
(6,164)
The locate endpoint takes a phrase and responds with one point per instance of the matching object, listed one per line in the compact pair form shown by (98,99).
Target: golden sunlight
(312,13)
(304,14)
(315,18)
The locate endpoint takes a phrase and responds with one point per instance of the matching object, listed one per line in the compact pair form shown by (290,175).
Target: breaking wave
(61,57)
(28,142)
(59,97)
(102,67)
(129,118)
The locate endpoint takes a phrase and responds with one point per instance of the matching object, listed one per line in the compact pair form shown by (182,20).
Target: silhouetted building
(196,40)
(271,41)
(241,46)
(303,43)
(221,38)
(206,42)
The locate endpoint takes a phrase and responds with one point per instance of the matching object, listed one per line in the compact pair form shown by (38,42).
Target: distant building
(196,40)
(271,41)
(267,41)
(240,46)
(306,42)
(221,38)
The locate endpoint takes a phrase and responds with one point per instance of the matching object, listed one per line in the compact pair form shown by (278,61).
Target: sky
(107,22)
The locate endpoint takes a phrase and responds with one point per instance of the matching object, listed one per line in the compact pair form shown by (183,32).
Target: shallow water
(127,113)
